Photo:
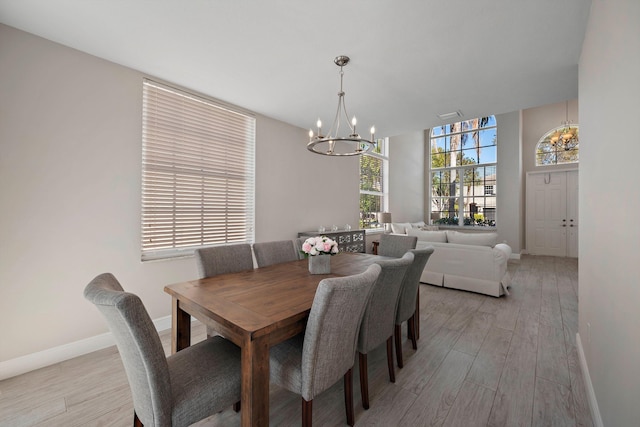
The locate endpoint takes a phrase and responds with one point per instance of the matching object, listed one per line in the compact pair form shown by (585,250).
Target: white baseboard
(40,359)
(591,395)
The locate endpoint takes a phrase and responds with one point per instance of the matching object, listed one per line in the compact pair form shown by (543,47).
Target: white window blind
(197,173)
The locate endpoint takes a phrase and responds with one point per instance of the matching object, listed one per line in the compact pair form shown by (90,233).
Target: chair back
(331,336)
(297,243)
(140,348)
(409,292)
(276,252)
(395,245)
(224,259)
(380,314)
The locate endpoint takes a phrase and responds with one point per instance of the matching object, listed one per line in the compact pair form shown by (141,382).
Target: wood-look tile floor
(481,361)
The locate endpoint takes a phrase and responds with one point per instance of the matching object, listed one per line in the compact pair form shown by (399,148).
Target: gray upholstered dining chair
(275,252)
(396,246)
(224,259)
(407,302)
(379,318)
(216,260)
(167,391)
(310,363)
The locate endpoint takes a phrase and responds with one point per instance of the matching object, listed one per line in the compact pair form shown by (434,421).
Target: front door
(552,213)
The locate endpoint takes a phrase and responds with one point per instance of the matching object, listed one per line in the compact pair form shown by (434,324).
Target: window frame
(383,156)
(459,171)
(198,172)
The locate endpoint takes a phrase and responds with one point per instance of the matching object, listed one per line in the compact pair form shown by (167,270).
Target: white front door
(547,214)
(552,213)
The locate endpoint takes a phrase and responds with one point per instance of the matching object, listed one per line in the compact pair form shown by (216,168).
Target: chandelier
(565,137)
(332,144)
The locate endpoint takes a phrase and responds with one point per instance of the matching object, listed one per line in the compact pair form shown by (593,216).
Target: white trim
(549,170)
(30,362)
(591,395)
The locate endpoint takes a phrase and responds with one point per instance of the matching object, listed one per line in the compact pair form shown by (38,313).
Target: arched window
(464,173)
(558,146)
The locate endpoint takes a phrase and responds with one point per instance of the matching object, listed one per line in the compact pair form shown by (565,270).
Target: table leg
(180,327)
(255,383)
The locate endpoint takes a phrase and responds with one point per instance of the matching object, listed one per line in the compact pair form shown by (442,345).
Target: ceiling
(410,60)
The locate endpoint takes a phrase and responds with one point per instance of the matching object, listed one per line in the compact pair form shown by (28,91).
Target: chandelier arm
(335,126)
(346,115)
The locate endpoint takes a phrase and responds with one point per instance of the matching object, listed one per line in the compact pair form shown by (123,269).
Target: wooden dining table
(255,309)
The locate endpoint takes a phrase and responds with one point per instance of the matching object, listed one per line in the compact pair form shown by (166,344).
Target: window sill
(467,228)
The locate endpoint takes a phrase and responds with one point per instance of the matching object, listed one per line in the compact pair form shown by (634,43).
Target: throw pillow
(400,227)
(476,239)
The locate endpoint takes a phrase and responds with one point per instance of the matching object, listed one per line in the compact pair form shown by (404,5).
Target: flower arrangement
(321,245)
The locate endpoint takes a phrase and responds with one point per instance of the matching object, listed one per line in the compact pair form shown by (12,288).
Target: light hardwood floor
(481,361)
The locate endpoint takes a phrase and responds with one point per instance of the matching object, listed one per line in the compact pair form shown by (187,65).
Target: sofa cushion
(400,227)
(418,224)
(476,239)
(428,236)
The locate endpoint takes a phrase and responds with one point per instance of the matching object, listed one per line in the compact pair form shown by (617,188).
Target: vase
(320,264)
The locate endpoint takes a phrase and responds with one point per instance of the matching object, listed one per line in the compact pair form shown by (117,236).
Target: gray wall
(70,144)
(609,206)
(509,185)
(406,177)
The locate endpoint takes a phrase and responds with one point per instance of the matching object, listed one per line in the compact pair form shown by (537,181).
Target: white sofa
(468,261)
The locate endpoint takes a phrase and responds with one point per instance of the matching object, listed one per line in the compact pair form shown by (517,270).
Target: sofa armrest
(504,248)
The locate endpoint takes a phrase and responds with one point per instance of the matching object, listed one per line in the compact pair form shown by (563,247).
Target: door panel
(572,214)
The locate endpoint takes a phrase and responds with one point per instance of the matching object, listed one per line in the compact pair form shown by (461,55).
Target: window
(463,173)
(548,153)
(373,184)
(197,173)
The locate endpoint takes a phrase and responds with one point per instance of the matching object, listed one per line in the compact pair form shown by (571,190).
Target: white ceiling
(410,59)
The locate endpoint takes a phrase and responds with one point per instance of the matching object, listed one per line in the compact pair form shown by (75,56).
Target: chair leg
(411,324)
(136,420)
(348,396)
(237,406)
(307,412)
(398,333)
(364,380)
(417,314)
(392,371)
